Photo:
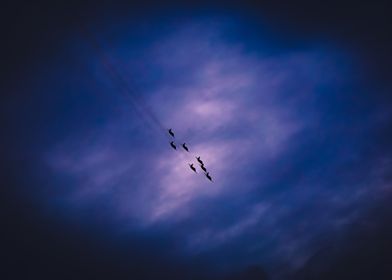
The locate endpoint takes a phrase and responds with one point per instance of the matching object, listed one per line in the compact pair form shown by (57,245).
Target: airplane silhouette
(208,176)
(171,132)
(192,167)
(203,167)
(173,145)
(185,147)
(199,160)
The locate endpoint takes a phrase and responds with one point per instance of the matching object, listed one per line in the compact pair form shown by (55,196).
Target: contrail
(137,101)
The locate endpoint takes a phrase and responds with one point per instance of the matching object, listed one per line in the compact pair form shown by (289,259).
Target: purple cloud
(243,112)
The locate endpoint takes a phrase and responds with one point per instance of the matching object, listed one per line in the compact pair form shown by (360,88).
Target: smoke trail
(138,102)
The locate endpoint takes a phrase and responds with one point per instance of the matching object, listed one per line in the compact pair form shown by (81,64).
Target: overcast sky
(288,106)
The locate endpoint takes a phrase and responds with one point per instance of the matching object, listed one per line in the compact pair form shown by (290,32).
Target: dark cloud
(297,94)
(363,252)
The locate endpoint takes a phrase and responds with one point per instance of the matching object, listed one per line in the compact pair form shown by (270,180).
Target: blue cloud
(277,131)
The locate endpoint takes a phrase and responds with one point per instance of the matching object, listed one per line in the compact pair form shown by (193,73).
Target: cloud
(268,128)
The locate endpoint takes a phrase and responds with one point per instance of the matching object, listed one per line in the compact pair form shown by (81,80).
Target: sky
(288,105)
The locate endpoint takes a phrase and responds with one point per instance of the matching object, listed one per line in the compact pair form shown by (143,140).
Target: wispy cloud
(255,119)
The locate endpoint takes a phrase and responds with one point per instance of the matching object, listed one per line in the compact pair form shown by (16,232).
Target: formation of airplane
(191,165)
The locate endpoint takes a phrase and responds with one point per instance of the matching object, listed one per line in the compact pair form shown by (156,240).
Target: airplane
(203,167)
(192,167)
(171,132)
(208,176)
(199,160)
(173,145)
(185,147)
